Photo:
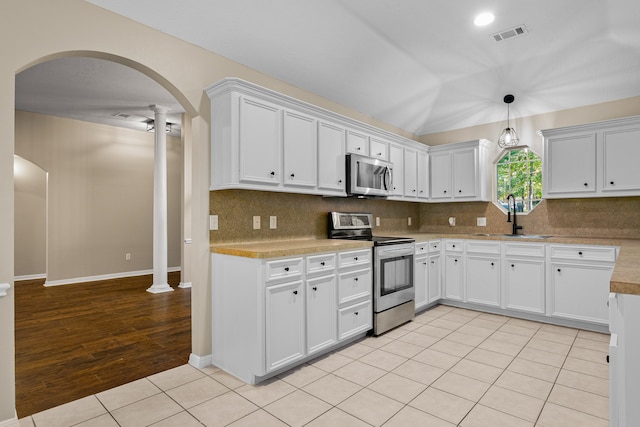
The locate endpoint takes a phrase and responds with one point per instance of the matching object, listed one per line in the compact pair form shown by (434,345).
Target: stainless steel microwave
(368,177)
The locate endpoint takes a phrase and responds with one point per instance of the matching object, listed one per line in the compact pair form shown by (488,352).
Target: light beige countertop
(280,248)
(625,278)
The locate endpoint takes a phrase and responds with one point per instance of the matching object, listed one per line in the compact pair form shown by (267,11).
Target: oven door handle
(402,251)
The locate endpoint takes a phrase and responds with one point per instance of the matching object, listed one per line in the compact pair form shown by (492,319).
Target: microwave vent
(520,30)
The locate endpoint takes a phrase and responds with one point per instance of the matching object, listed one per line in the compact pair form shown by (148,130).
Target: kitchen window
(519,172)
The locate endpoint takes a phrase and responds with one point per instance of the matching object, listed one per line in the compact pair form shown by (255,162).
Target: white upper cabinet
(299,141)
(459,172)
(592,160)
(264,140)
(396,156)
(423,175)
(570,165)
(259,141)
(357,142)
(378,149)
(410,173)
(331,158)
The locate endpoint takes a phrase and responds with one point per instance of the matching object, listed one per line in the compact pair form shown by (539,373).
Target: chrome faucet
(516,227)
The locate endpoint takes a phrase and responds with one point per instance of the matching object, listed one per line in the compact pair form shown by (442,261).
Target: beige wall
(100,203)
(30,183)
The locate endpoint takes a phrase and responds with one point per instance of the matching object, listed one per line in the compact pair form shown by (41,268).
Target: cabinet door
(396,156)
(580,292)
(621,151)
(410,173)
(465,171)
(284,326)
(321,313)
(440,175)
(331,158)
(354,319)
(435,278)
(421,277)
(378,149)
(570,165)
(453,277)
(483,280)
(357,143)
(260,142)
(423,175)
(299,142)
(524,285)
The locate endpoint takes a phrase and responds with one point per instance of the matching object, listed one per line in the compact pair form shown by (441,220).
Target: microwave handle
(388,180)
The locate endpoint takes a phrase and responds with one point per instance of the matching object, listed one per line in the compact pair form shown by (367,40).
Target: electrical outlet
(377,221)
(127,256)
(452,221)
(213,222)
(481,221)
(409,221)
(256,222)
(273,222)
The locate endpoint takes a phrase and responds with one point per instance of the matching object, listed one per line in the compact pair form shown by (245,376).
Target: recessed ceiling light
(483,19)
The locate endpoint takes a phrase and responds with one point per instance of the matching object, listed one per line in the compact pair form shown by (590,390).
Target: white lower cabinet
(421,280)
(483,280)
(435,278)
(321,309)
(284,324)
(454,276)
(578,278)
(483,272)
(271,314)
(524,285)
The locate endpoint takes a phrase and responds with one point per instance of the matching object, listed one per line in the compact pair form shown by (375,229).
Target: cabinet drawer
(422,248)
(354,319)
(321,263)
(351,258)
(454,245)
(605,253)
(483,247)
(524,249)
(283,268)
(353,285)
(435,246)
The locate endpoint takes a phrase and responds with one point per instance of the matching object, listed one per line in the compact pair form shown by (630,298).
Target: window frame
(494,184)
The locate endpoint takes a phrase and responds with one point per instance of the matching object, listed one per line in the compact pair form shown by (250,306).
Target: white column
(160,269)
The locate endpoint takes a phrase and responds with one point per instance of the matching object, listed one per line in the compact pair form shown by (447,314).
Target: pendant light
(508,137)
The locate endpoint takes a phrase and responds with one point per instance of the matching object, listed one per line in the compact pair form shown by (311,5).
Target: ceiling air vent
(520,30)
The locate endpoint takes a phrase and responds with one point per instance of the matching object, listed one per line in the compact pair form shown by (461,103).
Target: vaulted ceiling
(419,65)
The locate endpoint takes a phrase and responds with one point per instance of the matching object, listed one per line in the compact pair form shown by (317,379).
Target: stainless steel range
(393,281)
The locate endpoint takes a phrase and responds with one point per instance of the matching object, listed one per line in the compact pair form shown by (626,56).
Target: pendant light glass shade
(508,137)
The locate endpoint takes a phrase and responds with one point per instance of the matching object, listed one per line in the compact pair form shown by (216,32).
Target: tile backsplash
(305,216)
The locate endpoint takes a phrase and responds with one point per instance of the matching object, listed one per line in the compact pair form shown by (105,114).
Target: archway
(186,117)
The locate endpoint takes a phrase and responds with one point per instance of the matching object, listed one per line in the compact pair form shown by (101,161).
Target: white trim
(200,361)
(30,277)
(184,285)
(11,422)
(102,277)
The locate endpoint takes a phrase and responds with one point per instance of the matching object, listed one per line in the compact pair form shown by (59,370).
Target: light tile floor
(448,367)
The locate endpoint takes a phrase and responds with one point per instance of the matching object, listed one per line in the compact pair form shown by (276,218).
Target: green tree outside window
(519,172)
